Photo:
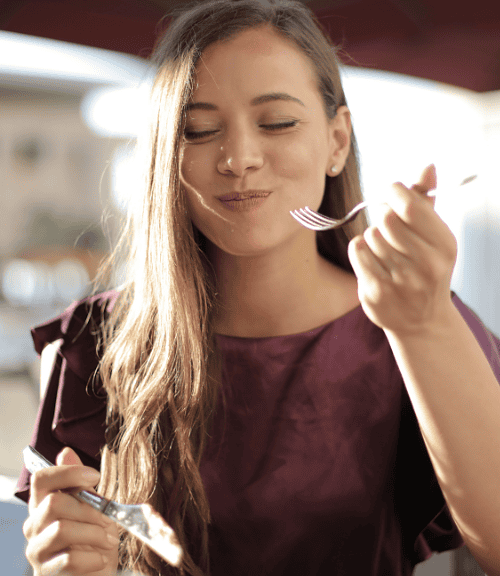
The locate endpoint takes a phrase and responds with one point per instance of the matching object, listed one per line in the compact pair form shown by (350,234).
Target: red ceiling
(453,42)
(125,26)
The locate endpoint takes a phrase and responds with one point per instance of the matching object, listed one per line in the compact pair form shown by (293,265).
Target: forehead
(253,61)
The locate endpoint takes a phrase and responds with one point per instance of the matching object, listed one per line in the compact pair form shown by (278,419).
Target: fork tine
(300,219)
(328,223)
(319,218)
(308,217)
(307,221)
(316,218)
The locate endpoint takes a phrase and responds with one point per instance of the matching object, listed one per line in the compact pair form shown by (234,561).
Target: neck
(286,290)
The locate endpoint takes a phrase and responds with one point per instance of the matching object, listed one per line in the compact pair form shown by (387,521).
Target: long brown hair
(160,367)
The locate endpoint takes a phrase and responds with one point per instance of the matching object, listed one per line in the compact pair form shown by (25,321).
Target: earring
(333,168)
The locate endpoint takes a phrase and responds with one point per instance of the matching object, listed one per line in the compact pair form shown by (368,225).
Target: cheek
(302,163)
(194,167)
(195,181)
(208,222)
(303,151)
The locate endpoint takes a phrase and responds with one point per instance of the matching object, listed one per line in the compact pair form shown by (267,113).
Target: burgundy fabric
(318,467)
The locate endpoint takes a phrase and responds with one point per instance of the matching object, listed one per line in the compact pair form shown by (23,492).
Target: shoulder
(73,406)
(87,311)
(75,334)
(68,325)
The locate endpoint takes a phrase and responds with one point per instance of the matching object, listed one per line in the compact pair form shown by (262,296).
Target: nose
(240,152)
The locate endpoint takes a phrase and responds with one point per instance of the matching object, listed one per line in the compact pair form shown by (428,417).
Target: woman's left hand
(405,263)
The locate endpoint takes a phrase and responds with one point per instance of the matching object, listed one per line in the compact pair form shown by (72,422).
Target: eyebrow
(271,97)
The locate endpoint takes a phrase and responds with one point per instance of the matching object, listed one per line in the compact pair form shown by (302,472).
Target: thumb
(428,180)
(68,457)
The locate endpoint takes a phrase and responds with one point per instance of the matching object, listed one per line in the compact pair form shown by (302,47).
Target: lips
(240,196)
(246,201)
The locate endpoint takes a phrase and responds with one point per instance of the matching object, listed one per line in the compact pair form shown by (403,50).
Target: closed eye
(189,135)
(281,125)
(196,135)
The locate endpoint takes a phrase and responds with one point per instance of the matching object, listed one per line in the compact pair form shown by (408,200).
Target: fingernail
(90,475)
(113,540)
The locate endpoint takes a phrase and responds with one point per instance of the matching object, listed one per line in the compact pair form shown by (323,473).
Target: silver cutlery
(141,520)
(316,221)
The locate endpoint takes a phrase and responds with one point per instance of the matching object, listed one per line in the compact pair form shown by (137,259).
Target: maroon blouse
(320,469)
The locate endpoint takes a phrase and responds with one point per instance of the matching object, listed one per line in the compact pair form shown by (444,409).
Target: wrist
(442,323)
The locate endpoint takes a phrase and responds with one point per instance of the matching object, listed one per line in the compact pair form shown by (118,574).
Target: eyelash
(281,126)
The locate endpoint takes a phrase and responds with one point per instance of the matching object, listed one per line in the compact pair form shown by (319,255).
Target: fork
(316,221)
(141,520)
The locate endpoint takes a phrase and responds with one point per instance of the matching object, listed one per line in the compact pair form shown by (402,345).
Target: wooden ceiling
(445,40)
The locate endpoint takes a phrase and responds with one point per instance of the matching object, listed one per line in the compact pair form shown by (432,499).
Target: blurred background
(422,79)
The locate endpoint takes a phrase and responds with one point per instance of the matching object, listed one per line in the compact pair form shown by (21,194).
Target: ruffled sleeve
(427,524)
(73,410)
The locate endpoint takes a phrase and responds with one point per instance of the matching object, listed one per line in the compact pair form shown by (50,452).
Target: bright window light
(404,124)
(116,112)
(124,174)
(31,57)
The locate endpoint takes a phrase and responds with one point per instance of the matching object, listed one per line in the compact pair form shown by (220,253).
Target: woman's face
(256,126)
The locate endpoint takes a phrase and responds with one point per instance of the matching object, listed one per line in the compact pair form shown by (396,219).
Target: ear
(340,140)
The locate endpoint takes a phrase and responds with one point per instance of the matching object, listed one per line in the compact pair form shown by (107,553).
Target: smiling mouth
(240,196)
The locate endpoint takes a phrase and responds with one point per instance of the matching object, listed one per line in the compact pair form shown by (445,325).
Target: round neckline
(295,334)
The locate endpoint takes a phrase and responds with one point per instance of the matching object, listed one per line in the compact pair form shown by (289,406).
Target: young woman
(291,402)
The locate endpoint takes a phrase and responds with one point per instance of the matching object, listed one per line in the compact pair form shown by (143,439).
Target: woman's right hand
(65,536)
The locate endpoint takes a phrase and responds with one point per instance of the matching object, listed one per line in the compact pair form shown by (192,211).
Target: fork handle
(98,502)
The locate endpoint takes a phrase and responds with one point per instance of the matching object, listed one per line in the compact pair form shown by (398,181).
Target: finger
(58,505)
(75,562)
(402,269)
(64,535)
(366,266)
(428,180)
(417,214)
(67,457)
(388,257)
(63,477)
(398,235)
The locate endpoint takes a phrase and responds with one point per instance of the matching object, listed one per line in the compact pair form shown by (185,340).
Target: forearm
(456,398)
